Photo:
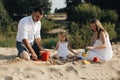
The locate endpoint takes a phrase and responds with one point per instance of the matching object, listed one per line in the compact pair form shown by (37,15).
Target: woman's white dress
(102,54)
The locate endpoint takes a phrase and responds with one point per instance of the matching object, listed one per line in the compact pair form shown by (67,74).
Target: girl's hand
(76,54)
(54,48)
(90,47)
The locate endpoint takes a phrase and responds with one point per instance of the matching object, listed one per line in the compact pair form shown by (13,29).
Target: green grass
(7,41)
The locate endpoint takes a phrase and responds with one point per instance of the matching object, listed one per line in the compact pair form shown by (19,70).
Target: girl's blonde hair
(65,34)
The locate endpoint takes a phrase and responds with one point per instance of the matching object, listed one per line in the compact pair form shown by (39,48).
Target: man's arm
(27,44)
(38,42)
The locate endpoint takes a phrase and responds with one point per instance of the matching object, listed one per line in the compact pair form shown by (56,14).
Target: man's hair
(38,9)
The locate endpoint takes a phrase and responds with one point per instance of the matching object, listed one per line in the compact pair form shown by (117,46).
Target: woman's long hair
(98,25)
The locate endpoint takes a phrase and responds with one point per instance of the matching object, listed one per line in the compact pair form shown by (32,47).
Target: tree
(106,4)
(4,19)
(20,8)
(46,4)
(84,12)
(61,10)
(56,9)
(70,5)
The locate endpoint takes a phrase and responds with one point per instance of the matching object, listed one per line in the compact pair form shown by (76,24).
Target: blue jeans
(21,47)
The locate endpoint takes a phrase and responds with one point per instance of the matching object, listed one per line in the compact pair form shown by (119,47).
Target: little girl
(63,46)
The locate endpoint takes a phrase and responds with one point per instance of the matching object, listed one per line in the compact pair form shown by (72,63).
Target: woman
(100,40)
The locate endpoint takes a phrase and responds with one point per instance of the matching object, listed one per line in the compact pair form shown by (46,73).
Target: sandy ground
(18,69)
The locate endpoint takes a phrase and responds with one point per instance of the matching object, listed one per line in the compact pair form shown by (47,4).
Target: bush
(48,25)
(84,12)
(49,43)
(11,30)
(4,19)
(117,28)
(110,28)
(79,35)
(109,16)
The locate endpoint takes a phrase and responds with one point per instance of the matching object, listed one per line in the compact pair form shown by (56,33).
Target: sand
(12,68)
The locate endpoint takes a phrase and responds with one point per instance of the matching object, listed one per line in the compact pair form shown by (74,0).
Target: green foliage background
(78,25)
(84,12)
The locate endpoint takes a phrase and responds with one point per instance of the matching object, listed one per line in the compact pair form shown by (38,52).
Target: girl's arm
(57,45)
(71,49)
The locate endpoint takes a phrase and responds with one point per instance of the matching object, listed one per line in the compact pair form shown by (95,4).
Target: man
(28,35)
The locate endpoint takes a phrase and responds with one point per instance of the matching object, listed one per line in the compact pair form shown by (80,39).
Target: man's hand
(27,44)
(34,56)
(43,50)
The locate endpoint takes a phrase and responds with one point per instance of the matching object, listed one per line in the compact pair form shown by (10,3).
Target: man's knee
(25,55)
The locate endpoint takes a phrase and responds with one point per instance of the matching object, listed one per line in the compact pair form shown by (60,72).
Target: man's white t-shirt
(28,29)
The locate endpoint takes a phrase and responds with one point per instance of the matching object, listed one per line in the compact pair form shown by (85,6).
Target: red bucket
(45,55)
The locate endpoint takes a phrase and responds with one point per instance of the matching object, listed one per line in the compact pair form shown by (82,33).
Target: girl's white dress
(63,49)
(103,54)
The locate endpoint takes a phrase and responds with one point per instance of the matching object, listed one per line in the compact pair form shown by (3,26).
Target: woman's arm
(102,37)
(103,45)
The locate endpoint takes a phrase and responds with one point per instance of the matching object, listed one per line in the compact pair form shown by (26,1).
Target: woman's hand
(90,47)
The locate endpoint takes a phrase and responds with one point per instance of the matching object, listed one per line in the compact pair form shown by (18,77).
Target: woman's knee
(25,55)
